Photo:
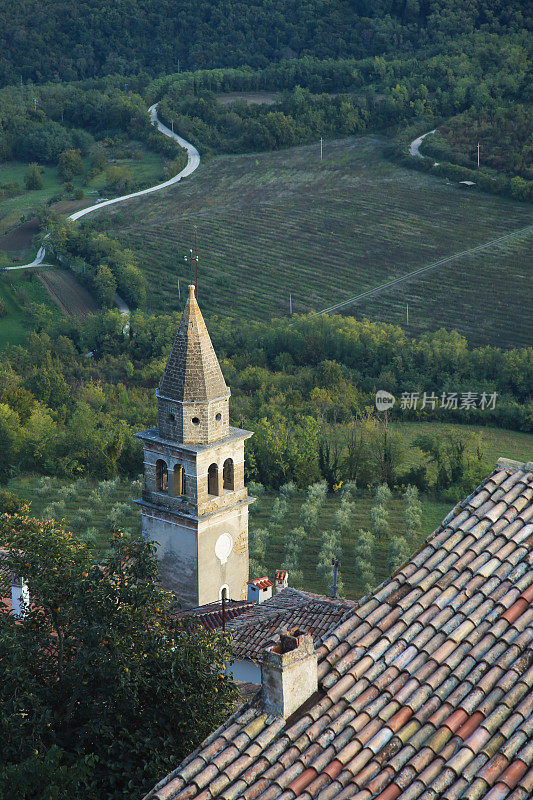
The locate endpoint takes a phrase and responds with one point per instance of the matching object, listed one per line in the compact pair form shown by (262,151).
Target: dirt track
(69,295)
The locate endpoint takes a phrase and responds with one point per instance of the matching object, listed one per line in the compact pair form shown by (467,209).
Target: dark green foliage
(10,503)
(101,694)
(68,414)
(42,142)
(33,178)
(164,36)
(99,262)
(69,164)
(69,118)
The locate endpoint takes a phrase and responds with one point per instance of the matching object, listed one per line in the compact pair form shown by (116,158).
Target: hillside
(130,36)
(285,222)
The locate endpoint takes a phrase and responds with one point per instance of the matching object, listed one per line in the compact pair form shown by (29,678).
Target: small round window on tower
(195,420)
(171,418)
(218,417)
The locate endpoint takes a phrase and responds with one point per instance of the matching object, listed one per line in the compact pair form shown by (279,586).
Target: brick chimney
(289,673)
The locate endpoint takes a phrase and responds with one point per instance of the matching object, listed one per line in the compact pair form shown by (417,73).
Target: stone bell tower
(195,504)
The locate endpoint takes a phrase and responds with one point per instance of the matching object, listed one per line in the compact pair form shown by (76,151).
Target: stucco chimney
(289,673)
(282,580)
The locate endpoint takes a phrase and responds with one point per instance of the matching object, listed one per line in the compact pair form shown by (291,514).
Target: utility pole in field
(290,304)
(407,314)
(478,155)
(321,148)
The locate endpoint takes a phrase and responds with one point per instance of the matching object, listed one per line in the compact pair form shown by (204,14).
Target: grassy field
(16,290)
(18,227)
(282,222)
(496,442)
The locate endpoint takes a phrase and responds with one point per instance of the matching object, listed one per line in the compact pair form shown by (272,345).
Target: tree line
(74,393)
(61,124)
(311,98)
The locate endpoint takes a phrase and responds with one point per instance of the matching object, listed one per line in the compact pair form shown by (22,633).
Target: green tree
(10,438)
(364,561)
(379,513)
(105,284)
(118,179)
(96,671)
(33,178)
(10,503)
(413,511)
(399,552)
(70,164)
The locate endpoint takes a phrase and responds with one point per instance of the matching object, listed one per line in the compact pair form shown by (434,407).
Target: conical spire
(192,373)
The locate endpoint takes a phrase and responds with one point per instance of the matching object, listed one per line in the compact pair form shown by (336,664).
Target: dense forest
(132,36)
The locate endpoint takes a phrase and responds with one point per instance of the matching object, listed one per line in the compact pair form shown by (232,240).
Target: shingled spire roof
(192,372)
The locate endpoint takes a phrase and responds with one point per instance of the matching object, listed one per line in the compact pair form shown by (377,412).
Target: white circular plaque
(223,547)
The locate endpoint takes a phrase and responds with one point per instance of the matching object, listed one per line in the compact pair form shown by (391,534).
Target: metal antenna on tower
(196,255)
(192,258)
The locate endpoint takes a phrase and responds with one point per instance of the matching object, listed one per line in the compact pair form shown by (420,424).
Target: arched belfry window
(161,475)
(179,480)
(212,479)
(228,481)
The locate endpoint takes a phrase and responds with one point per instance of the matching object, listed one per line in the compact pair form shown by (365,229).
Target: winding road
(414,147)
(193,162)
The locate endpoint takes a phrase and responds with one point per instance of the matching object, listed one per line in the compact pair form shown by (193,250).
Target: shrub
(10,503)
(33,178)
(70,164)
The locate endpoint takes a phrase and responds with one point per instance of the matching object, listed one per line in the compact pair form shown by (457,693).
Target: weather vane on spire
(192,257)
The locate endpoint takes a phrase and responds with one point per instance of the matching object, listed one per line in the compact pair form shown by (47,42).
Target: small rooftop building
(423,689)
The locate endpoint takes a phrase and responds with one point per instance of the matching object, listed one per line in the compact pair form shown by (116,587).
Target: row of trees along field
(98,261)
(160,37)
(304,387)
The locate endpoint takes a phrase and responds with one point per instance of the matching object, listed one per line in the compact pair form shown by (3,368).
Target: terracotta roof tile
(426,685)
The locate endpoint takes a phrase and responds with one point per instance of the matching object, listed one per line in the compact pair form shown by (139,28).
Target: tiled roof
(210,615)
(261,583)
(192,372)
(425,689)
(290,608)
